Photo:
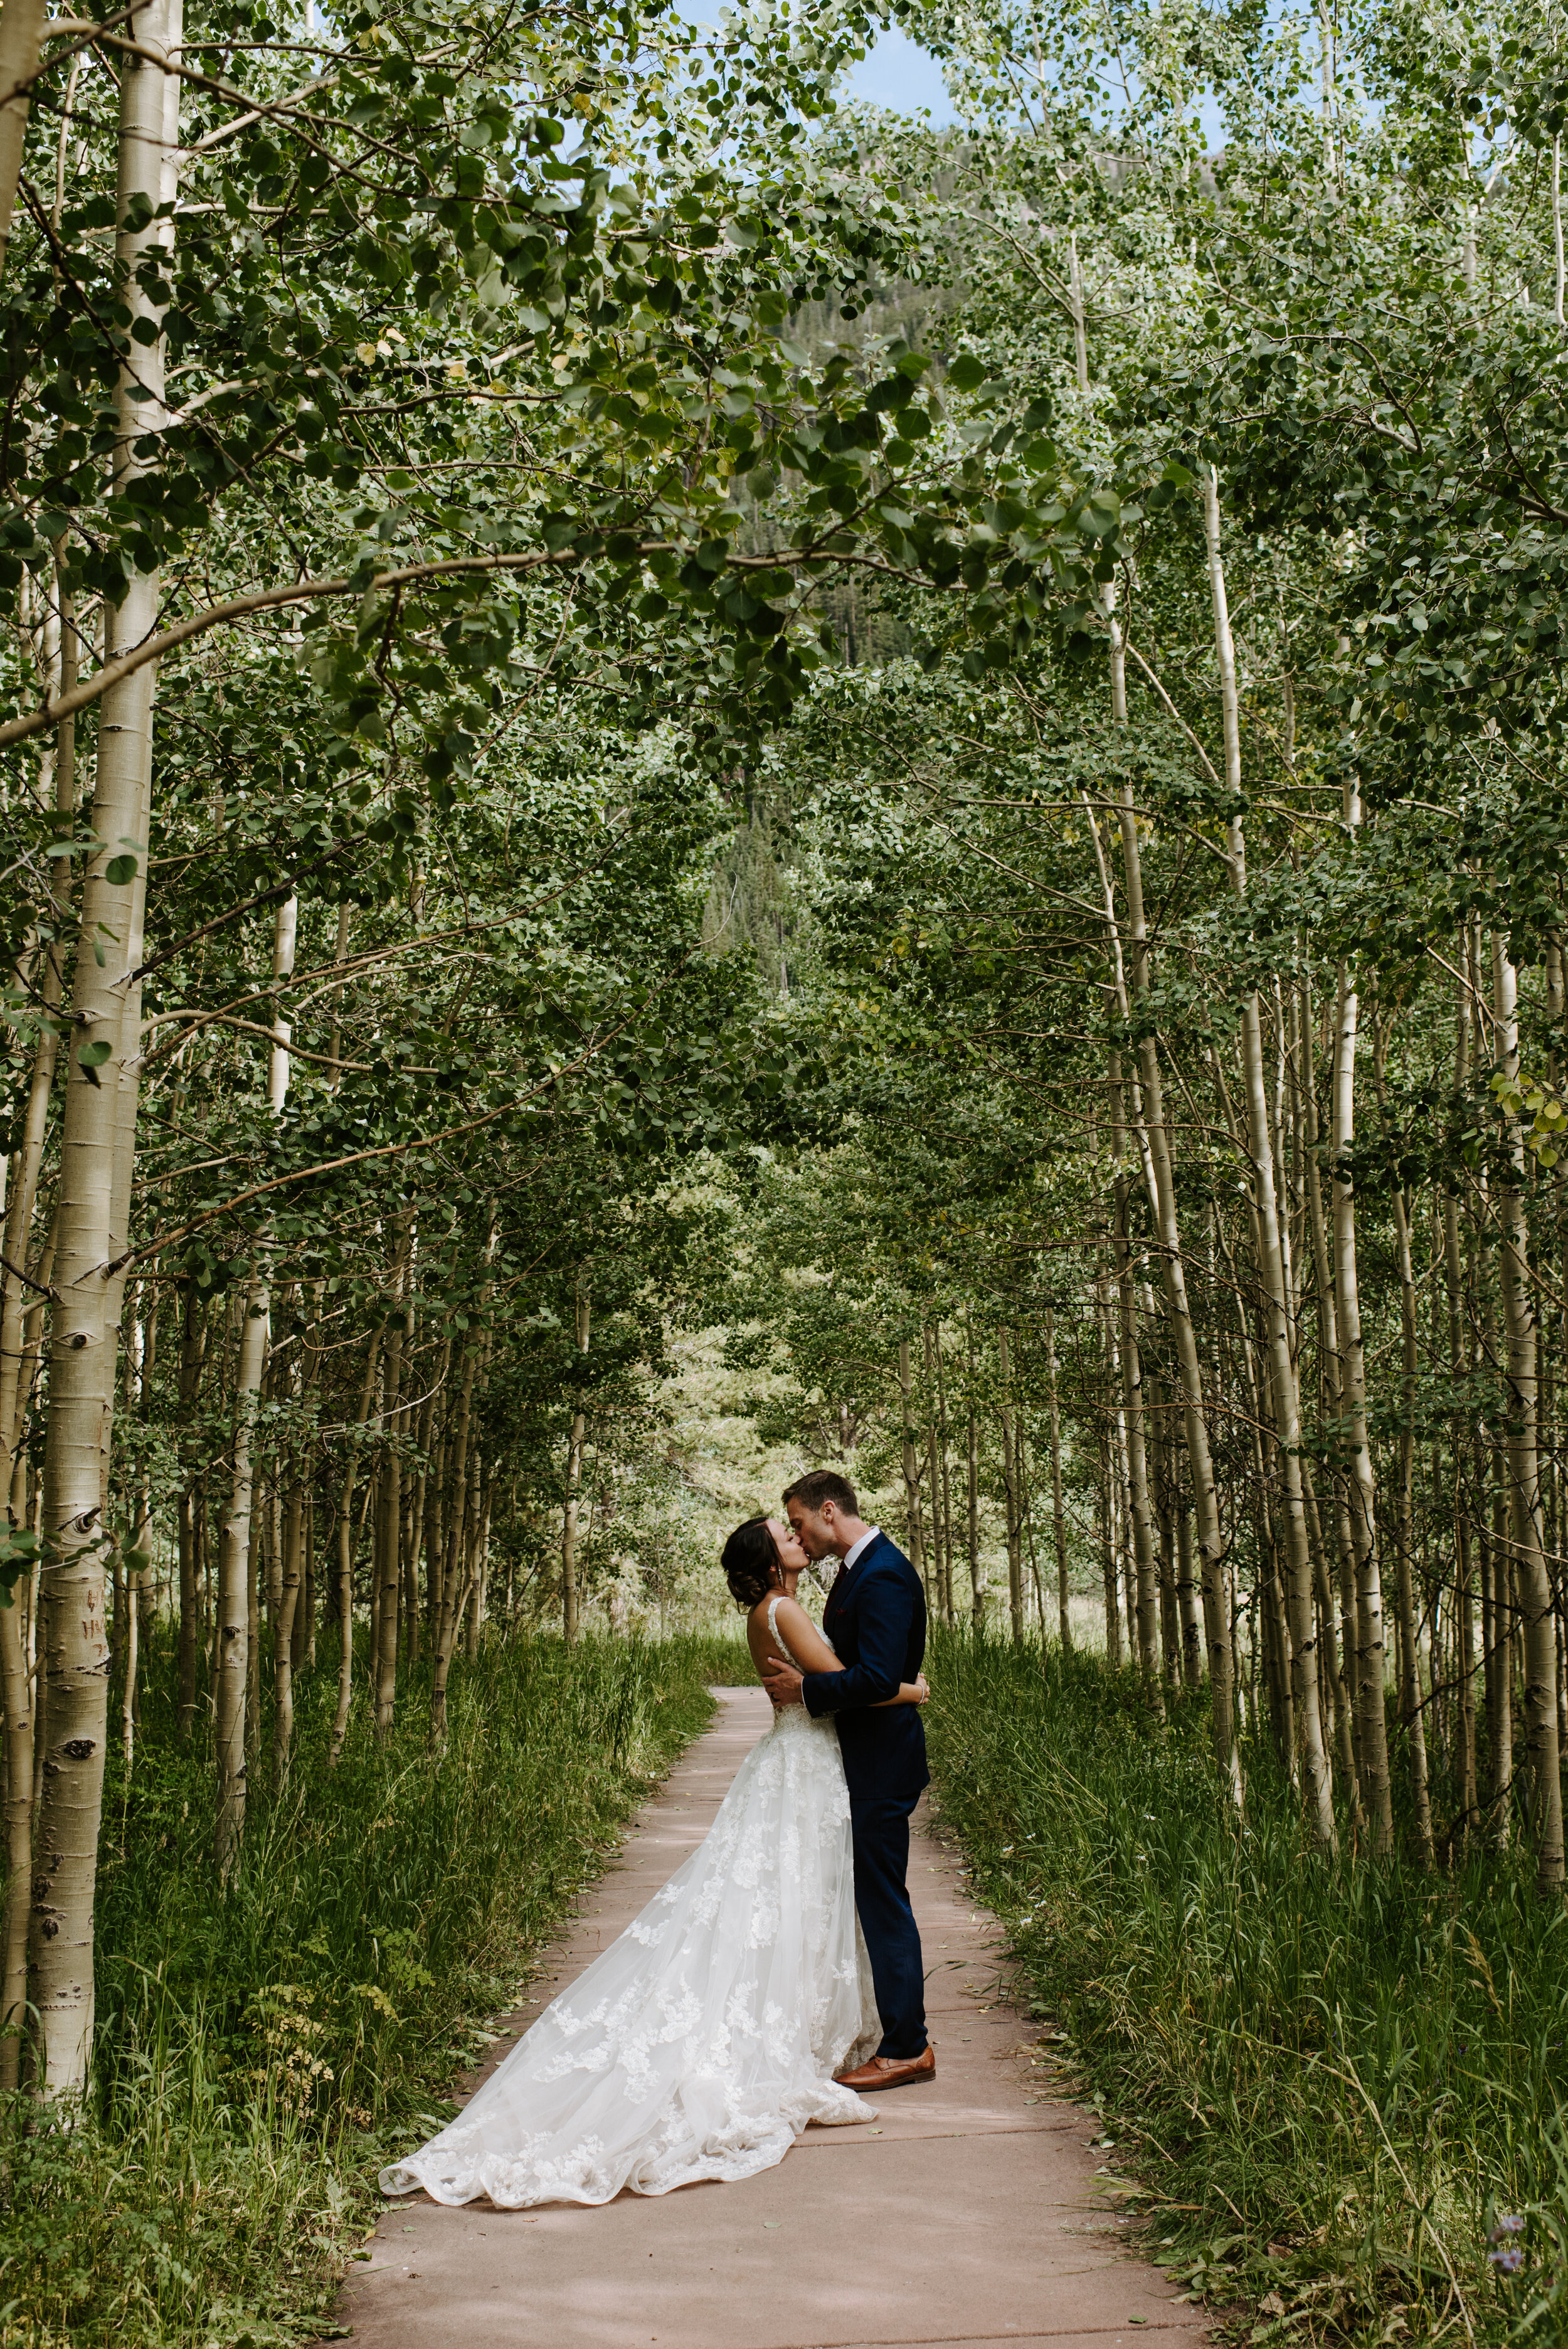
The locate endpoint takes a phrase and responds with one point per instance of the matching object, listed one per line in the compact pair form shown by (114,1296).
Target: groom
(875,1618)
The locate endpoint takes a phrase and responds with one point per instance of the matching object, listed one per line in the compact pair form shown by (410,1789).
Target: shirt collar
(853,1555)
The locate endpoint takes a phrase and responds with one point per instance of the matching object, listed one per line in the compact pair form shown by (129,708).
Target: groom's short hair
(819,1485)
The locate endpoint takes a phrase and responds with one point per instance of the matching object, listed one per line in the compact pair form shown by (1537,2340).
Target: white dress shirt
(852,1553)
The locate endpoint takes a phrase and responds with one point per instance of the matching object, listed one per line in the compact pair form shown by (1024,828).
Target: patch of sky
(897,73)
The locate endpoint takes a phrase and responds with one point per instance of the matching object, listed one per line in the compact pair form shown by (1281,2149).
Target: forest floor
(980,2211)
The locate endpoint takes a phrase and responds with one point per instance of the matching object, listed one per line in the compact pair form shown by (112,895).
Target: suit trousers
(879,1827)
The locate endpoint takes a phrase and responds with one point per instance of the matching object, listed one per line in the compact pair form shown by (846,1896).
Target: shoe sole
(879,2088)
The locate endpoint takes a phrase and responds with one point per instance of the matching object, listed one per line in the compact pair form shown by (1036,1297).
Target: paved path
(975,2210)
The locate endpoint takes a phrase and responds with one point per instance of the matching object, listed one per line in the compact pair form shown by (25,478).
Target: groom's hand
(782,1681)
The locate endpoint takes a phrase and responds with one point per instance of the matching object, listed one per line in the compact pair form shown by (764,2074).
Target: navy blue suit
(875,1618)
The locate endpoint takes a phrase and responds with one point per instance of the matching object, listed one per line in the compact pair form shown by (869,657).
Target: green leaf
(119,870)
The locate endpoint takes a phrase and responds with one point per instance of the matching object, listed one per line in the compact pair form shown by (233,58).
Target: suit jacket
(875,1618)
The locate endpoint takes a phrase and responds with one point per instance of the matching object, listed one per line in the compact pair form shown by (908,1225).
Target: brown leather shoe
(869,2077)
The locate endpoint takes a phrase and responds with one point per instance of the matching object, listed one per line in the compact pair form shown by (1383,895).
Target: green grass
(1332,2078)
(262,2050)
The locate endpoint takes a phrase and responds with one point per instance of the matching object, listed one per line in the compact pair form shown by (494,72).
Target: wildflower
(1507,2261)
(1505,2223)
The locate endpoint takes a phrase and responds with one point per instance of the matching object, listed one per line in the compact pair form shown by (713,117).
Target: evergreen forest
(697,779)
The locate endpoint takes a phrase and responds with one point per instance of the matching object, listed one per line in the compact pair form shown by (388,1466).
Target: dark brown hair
(750,1561)
(819,1485)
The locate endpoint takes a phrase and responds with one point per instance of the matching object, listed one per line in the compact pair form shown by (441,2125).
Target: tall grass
(263,2048)
(1331,2078)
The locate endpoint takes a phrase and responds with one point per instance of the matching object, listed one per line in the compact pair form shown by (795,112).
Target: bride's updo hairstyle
(750,1561)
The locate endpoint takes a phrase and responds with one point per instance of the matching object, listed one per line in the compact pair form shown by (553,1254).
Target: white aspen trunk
(26,1158)
(1370,1636)
(1210,1533)
(1145,1625)
(288,1567)
(909,1460)
(1010,1486)
(192,1346)
(20,46)
(1411,1693)
(387,1516)
(1058,1513)
(568,1607)
(1316,1785)
(346,1550)
(73,1645)
(386,1519)
(236,1582)
(972,1476)
(1532,1583)
(1328,1357)
(1464,1558)
(949,1615)
(17,1695)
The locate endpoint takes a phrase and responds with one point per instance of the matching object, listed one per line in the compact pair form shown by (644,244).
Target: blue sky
(897,73)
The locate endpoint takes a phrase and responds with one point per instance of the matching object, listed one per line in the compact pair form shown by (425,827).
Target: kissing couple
(777,1979)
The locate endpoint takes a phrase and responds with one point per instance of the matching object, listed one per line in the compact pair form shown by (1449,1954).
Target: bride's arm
(812,1654)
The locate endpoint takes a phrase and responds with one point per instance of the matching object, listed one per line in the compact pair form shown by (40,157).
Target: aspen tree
(1530,1579)
(949,1615)
(1372,1743)
(386,1511)
(1010,1488)
(569,1598)
(1139,1510)
(354,1436)
(1317,1792)
(1411,1695)
(909,1458)
(1058,1513)
(21,45)
(73,1649)
(971,1472)
(1210,1535)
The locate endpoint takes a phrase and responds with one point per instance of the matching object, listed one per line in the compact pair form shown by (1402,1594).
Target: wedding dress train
(702,2043)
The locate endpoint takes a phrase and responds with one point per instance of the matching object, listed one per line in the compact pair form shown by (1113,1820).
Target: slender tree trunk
(346,1548)
(1010,1488)
(292,1547)
(1373,1739)
(1530,1574)
(942,1591)
(1205,1498)
(972,1464)
(192,1345)
(17,1695)
(948,1612)
(1145,1623)
(1058,1513)
(21,45)
(569,1595)
(389,1486)
(236,1581)
(73,1643)
(1284,1395)
(909,1457)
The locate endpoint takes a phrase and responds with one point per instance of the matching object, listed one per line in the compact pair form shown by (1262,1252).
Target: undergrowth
(262,2049)
(1331,2079)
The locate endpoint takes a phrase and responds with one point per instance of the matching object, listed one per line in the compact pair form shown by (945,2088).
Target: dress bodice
(795,1716)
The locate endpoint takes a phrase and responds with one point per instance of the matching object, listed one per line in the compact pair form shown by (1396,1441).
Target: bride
(704,2040)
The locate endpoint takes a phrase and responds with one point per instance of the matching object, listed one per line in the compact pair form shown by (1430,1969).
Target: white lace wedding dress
(701,2043)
